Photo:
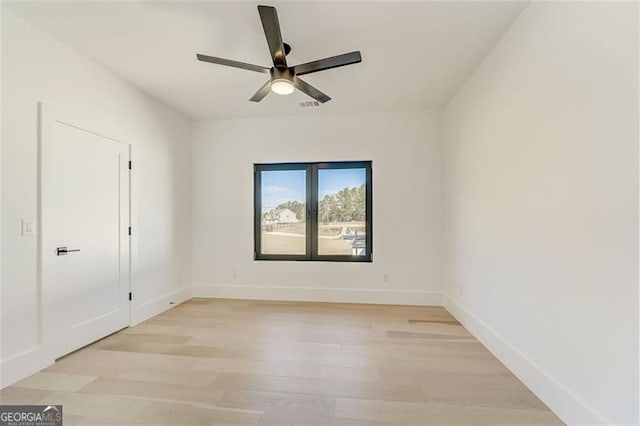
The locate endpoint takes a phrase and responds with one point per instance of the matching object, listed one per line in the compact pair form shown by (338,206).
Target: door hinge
(129,165)
(130,296)
(129,230)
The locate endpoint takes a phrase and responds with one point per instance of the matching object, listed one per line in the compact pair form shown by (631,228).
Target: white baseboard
(315,294)
(153,307)
(568,406)
(19,366)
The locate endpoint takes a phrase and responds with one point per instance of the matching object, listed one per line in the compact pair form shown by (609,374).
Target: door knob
(62,251)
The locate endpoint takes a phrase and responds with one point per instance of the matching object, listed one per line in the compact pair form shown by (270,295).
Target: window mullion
(257,211)
(313,225)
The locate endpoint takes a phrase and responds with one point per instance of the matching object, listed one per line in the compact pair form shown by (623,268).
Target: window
(313,211)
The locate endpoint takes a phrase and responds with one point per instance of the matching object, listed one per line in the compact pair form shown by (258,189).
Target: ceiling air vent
(309,104)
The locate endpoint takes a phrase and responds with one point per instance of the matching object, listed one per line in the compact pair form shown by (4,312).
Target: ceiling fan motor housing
(281,73)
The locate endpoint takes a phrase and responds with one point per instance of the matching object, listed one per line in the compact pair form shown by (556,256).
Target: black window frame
(311,227)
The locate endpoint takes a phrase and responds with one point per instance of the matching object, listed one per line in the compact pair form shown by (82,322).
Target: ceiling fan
(284,79)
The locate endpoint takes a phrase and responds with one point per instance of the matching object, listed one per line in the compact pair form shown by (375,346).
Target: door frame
(47,116)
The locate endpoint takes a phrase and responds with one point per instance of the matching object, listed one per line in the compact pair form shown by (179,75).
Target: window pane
(342,211)
(283,224)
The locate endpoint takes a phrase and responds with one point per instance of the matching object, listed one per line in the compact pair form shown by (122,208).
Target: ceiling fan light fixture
(282,86)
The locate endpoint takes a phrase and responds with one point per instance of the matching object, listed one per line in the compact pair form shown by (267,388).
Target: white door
(85,235)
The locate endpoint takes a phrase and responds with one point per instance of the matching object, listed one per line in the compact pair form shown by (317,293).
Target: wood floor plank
(388,411)
(134,366)
(380,391)
(283,368)
(433,321)
(274,418)
(267,345)
(233,362)
(286,404)
(450,413)
(148,411)
(56,381)
(394,334)
(205,394)
(15,395)
(72,420)
(315,386)
(141,338)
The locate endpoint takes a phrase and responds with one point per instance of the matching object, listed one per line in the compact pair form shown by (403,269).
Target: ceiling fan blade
(230,63)
(271,25)
(262,92)
(328,63)
(305,87)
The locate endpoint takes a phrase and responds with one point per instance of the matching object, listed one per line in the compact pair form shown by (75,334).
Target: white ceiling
(415,54)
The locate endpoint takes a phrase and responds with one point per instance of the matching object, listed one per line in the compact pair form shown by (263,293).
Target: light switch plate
(28,227)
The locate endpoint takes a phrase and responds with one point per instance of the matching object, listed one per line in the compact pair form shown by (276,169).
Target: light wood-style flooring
(214,361)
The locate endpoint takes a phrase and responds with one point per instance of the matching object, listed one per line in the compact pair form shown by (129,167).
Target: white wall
(405,150)
(37,68)
(542,206)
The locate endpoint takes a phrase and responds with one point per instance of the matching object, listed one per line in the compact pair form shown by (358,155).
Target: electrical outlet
(234,274)
(386,277)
